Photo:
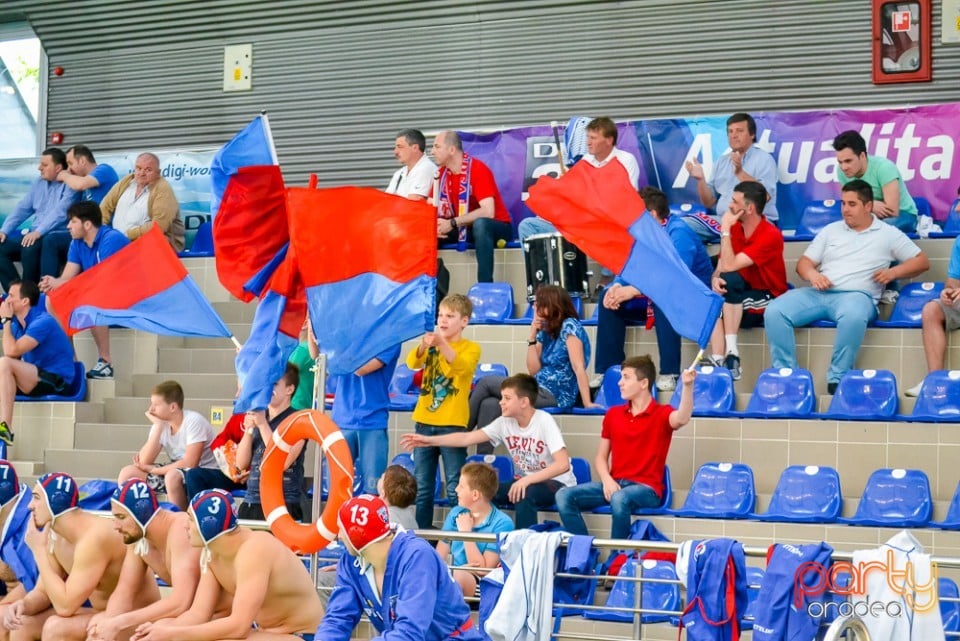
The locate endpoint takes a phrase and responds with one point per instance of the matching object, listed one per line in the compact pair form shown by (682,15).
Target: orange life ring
(316,426)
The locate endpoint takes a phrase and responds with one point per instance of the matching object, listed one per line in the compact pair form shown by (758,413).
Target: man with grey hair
(468,201)
(144,199)
(415,177)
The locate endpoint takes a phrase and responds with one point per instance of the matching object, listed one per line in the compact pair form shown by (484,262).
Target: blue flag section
(252,146)
(264,355)
(655,268)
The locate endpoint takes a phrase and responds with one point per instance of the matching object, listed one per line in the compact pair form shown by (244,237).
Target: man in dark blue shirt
(37,355)
(91,244)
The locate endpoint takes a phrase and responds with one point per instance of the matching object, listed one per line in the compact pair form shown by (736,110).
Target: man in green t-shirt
(892,202)
(303,358)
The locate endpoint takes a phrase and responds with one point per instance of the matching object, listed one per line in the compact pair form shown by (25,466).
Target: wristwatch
(453,223)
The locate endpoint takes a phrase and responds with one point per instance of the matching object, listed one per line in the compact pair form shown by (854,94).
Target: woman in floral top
(558,352)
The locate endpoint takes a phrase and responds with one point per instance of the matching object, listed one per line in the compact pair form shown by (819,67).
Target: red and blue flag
(598,210)
(252,146)
(368,261)
(143,286)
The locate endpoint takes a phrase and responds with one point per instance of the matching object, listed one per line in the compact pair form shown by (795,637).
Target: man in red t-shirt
(750,271)
(474,203)
(632,453)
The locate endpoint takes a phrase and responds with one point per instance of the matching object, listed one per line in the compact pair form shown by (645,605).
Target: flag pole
(266,126)
(556,139)
(236,343)
(696,360)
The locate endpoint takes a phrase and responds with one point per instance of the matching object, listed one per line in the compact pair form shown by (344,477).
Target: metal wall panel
(340,78)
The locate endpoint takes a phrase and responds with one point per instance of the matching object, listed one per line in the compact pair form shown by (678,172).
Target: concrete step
(111,436)
(194,385)
(236,311)
(126,410)
(203,360)
(240,330)
(27,469)
(87,463)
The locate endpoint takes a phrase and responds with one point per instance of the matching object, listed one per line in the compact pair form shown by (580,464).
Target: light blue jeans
(572,501)
(852,311)
(369,449)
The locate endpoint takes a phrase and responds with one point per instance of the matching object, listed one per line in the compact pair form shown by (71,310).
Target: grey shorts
(952,316)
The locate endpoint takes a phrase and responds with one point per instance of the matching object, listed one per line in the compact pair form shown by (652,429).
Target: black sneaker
(832,388)
(102,370)
(6,435)
(732,363)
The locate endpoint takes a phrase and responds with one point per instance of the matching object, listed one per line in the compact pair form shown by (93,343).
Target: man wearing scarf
(469,206)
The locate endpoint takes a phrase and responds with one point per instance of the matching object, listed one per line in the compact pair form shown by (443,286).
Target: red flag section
(592,207)
(250,227)
(354,230)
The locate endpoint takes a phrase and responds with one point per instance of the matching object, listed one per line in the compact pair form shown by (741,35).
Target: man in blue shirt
(37,355)
(91,243)
(46,203)
(618,304)
(93,181)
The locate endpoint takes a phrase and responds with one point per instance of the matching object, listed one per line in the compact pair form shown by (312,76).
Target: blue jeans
(534,225)
(369,450)
(425,470)
(850,310)
(907,223)
(198,479)
(539,496)
(612,332)
(486,233)
(571,501)
(53,256)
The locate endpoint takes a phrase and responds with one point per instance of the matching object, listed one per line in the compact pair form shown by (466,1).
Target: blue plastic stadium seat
(805,494)
(654,596)
(923,206)
(526,319)
(865,395)
(782,393)
(489,369)
(76,394)
(939,399)
(581,469)
(816,215)
(894,498)
(607,396)
(713,393)
(665,501)
(202,245)
(909,308)
(594,319)
(403,395)
(754,577)
(502,464)
(405,460)
(949,610)
(492,303)
(952,520)
(720,491)
(950,224)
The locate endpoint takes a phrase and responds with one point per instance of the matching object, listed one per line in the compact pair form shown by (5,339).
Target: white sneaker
(914,391)
(889,297)
(666,382)
(596,381)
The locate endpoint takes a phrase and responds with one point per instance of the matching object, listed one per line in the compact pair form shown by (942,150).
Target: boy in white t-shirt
(532,438)
(183,435)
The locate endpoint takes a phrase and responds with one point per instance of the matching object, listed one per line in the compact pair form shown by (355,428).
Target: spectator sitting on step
(144,199)
(750,272)
(92,242)
(847,265)
(259,427)
(617,305)
(533,440)
(398,489)
(37,355)
(183,435)
(632,452)
(474,512)
(475,208)
(558,352)
(941,316)
(198,479)
(46,205)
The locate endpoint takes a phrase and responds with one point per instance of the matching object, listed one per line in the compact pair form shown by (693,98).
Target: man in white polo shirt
(415,177)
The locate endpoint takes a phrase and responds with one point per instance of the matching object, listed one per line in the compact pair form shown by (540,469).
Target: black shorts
(49,384)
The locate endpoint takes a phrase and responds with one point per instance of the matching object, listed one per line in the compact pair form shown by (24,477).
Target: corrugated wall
(340,78)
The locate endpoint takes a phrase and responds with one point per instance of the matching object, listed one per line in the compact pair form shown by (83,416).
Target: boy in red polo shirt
(632,453)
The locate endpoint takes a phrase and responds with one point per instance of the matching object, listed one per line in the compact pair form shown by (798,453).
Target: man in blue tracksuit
(396,579)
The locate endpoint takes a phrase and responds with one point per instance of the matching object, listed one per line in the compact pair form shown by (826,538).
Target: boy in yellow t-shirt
(449,362)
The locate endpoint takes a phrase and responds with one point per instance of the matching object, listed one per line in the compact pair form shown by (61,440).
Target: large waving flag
(252,146)
(143,286)
(263,357)
(371,273)
(599,211)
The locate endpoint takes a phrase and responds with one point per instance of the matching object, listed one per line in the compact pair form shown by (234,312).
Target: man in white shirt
(415,177)
(602,149)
